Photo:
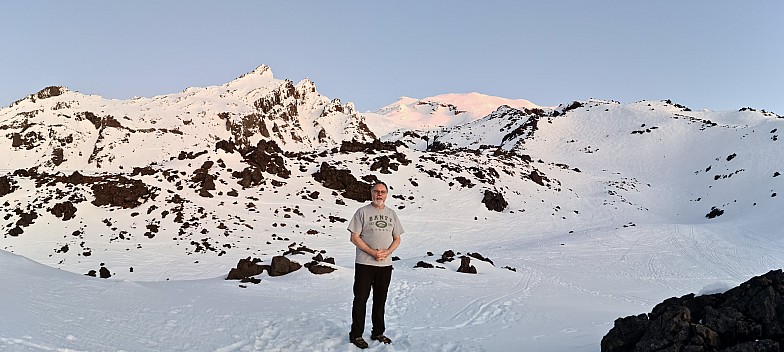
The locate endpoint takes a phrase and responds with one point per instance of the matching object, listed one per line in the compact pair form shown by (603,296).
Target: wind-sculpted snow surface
(598,209)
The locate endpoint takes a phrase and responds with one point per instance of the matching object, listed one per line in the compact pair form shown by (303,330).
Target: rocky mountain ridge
(67,130)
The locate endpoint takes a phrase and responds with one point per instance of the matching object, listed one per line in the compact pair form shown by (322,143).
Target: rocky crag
(748,318)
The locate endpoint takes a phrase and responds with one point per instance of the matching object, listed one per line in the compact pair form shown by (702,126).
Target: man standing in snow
(375,231)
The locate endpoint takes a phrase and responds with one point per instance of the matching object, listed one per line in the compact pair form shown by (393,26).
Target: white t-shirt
(377,227)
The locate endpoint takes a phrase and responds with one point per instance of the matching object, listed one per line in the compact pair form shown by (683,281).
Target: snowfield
(562,297)
(606,217)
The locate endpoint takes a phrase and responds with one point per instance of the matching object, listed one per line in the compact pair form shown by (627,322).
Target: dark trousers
(365,278)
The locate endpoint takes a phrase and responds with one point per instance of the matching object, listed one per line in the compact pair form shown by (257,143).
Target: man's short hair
(379,183)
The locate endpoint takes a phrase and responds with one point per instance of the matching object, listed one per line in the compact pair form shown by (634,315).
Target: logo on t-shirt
(381,221)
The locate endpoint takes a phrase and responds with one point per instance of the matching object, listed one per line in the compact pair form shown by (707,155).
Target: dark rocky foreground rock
(280,265)
(748,318)
(465,266)
(247,268)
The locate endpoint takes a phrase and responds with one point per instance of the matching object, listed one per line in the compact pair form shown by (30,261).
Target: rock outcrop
(120,192)
(342,180)
(465,266)
(494,201)
(7,185)
(246,268)
(282,266)
(747,318)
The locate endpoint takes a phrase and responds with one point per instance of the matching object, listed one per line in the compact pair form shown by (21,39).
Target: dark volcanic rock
(536,177)
(65,210)
(266,156)
(7,185)
(252,280)
(354,146)
(282,266)
(245,268)
(425,265)
(249,177)
(16,140)
(319,269)
(16,231)
(465,266)
(226,146)
(51,91)
(203,180)
(494,201)
(121,192)
(480,257)
(747,318)
(104,273)
(57,156)
(382,164)
(25,218)
(343,180)
(447,256)
(714,213)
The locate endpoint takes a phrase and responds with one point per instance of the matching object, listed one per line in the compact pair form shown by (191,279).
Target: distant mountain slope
(258,164)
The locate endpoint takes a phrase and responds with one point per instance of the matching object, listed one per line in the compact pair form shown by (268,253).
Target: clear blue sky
(719,55)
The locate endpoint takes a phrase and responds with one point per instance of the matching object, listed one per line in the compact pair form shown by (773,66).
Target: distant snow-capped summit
(481,105)
(445,110)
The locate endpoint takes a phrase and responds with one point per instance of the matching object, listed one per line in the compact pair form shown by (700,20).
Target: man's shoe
(359,342)
(381,338)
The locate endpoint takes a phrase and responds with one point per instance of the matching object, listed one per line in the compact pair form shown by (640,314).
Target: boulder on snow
(494,201)
(465,266)
(282,266)
(319,269)
(246,268)
(447,256)
(747,318)
(476,255)
(104,273)
(422,264)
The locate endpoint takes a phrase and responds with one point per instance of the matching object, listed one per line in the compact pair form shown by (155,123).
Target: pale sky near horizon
(706,54)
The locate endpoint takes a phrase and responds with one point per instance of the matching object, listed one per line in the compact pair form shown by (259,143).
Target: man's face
(379,195)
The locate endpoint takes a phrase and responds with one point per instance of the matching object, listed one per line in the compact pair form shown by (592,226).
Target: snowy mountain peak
(48,92)
(481,104)
(54,130)
(263,71)
(440,111)
(260,77)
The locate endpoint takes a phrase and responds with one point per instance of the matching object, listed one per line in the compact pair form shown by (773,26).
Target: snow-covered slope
(590,211)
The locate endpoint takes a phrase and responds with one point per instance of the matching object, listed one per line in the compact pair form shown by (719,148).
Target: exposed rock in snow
(746,318)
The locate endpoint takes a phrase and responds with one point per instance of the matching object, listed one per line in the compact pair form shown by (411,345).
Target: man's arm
(357,241)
